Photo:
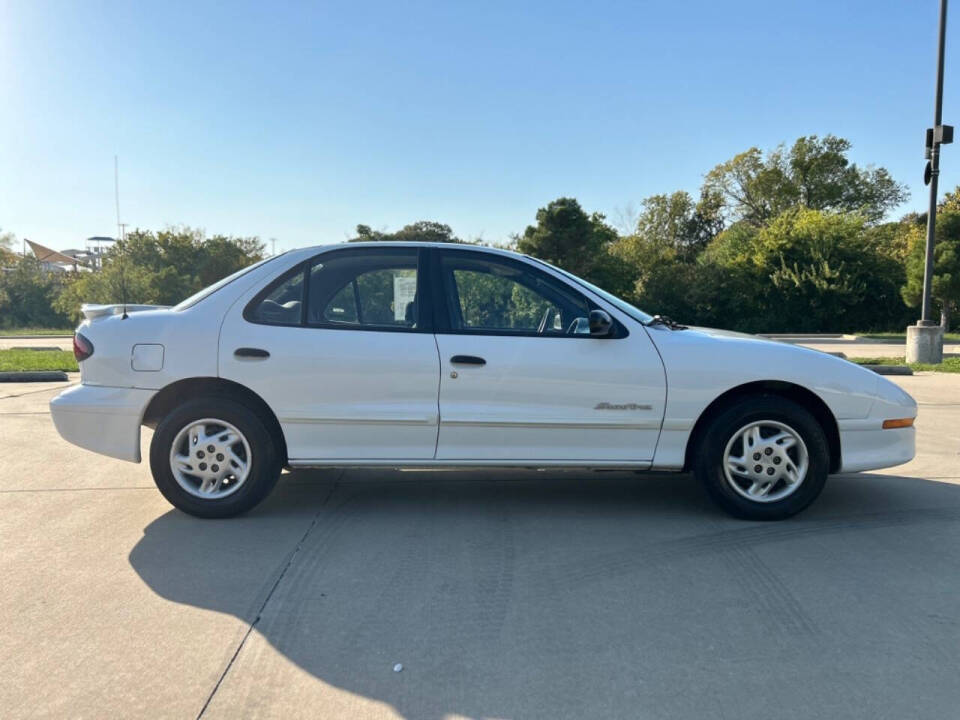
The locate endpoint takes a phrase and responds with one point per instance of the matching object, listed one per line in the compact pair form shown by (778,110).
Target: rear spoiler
(91,312)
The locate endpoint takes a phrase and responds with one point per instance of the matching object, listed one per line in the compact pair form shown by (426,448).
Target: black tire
(264,466)
(708,462)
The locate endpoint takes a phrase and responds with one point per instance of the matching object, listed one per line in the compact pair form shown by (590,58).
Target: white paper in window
(404,291)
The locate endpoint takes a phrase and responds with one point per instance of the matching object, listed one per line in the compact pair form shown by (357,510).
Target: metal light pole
(926,311)
(925,339)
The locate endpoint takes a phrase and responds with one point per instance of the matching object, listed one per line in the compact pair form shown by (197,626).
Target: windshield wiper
(666,322)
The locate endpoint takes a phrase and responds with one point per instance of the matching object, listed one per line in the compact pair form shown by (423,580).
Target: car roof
(407,243)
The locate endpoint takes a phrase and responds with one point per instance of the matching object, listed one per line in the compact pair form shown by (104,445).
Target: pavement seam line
(34,392)
(79,489)
(266,600)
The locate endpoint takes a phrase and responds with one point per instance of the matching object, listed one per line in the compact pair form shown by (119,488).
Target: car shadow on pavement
(588,595)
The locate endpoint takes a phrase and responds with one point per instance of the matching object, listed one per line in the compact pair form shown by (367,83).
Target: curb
(35,376)
(889,369)
(38,337)
(808,336)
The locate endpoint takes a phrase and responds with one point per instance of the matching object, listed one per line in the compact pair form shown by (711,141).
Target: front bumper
(105,420)
(866,446)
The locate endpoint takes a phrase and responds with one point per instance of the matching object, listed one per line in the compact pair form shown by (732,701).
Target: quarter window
(283,305)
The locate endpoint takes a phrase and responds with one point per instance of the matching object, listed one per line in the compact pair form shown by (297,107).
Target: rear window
(211,289)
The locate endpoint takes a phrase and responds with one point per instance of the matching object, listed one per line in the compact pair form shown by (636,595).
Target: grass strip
(20,360)
(950,337)
(949,364)
(30,331)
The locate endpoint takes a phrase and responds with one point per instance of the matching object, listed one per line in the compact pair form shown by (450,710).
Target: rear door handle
(248,352)
(467,360)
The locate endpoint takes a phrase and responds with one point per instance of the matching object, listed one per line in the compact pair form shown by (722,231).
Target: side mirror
(601,324)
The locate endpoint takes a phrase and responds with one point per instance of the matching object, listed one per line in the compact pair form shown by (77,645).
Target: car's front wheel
(213,458)
(763,458)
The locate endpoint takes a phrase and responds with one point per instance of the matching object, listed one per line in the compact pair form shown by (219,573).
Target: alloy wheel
(210,458)
(765,461)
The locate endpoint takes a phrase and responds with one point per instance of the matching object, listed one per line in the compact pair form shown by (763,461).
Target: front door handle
(250,352)
(467,360)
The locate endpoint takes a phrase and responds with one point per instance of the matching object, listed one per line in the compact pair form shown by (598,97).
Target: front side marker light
(899,423)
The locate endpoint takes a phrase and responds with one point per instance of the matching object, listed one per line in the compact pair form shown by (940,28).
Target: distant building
(55,261)
(73,259)
(95,250)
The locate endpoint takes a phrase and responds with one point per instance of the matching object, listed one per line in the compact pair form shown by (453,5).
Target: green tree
(160,268)
(895,239)
(221,255)
(7,241)
(945,286)
(108,286)
(813,173)
(420,231)
(808,271)
(27,294)
(689,259)
(676,221)
(567,237)
(671,231)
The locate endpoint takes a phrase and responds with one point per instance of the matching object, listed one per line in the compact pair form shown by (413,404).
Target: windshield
(622,305)
(211,289)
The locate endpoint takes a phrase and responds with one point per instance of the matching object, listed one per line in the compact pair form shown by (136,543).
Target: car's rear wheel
(763,458)
(213,457)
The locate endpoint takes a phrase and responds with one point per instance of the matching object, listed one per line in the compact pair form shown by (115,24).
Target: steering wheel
(547,315)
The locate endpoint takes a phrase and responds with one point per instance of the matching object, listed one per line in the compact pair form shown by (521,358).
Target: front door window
(487,295)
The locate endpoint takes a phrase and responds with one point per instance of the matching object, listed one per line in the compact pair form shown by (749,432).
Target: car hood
(732,335)
(766,348)
(716,332)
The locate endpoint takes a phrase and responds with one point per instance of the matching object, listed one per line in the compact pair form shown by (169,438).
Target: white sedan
(425,355)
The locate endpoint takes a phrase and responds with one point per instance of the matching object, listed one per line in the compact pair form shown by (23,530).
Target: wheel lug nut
(756,456)
(220,457)
(216,468)
(768,451)
(210,448)
(757,468)
(776,461)
(199,453)
(769,471)
(203,466)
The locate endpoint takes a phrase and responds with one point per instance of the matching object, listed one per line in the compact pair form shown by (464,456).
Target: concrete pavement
(511,594)
(61,342)
(854,347)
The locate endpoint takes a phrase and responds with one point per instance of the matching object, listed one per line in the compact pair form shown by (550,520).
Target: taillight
(82,348)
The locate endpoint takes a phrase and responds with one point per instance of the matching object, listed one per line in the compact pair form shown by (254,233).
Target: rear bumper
(105,420)
(871,448)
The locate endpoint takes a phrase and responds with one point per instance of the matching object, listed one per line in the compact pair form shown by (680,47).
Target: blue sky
(296,121)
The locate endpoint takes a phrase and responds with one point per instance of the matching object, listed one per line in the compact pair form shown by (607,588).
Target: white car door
(337,348)
(522,379)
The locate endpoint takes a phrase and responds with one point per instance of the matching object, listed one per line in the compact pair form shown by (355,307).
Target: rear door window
(365,290)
